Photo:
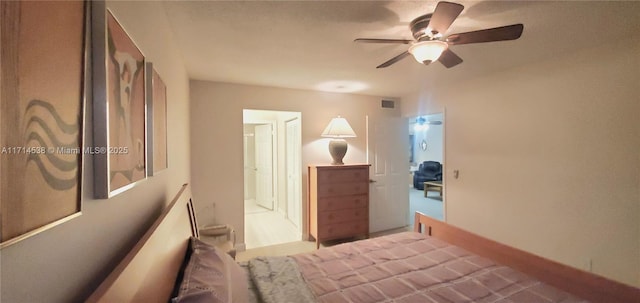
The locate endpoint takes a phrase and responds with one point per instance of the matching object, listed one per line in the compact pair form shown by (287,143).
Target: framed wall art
(119,117)
(43,83)
(156,122)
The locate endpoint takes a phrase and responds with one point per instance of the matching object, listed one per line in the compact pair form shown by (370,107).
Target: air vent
(388,104)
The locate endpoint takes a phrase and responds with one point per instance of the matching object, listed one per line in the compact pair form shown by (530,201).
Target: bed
(436,262)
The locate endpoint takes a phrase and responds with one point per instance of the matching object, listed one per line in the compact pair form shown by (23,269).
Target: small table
(433,186)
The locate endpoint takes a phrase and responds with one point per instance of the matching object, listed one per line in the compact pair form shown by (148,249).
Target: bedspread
(277,280)
(412,267)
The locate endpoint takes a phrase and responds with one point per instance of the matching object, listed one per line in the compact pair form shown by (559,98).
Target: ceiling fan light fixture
(428,43)
(426,52)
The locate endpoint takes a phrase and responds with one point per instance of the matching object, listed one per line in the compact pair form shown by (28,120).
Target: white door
(249,150)
(264,165)
(387,139)
(294,174)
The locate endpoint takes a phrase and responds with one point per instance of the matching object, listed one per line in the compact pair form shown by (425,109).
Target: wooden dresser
(338,201)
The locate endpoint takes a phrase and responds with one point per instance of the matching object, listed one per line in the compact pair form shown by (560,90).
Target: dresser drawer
(344,215)
(343,175)
(347,229)
(342,202)
(340,189)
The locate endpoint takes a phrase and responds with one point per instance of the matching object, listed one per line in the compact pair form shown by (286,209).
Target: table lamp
(338,129)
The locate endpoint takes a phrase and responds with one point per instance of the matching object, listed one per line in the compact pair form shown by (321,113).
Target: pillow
(211,276)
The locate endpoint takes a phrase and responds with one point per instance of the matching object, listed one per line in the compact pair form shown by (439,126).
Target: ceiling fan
(424,124)
(422,120)
(429,45)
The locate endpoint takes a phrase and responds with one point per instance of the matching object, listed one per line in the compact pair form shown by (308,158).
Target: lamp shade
(338,128)
(426,52)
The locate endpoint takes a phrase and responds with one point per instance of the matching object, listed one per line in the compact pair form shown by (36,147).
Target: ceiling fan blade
(368,40)
(444,14)
(393,60)
(509,32)
(449,59)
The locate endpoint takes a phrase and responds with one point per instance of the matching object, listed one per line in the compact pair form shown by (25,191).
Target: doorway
(272,177)
(426,144)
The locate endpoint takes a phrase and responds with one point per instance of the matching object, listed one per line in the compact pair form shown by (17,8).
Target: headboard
(148,272)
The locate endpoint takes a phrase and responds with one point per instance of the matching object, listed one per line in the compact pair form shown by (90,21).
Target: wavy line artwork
(45,128)
(43,79)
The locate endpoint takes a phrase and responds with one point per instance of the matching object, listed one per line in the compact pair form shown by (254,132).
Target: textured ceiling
(309,44)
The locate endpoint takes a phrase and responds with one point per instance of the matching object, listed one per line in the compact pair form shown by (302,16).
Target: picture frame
(43,91)
(119,112)
(157,158)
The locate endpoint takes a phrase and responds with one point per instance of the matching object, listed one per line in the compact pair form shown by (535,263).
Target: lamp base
(337,149)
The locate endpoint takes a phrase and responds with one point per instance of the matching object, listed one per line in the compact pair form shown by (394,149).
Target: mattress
(403,267)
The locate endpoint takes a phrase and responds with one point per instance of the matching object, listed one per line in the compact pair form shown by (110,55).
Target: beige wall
(216,130)
(549,157)
(66,263)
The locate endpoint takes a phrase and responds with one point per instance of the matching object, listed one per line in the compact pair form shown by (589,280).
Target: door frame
(298,150)
(444,164)
(278,122)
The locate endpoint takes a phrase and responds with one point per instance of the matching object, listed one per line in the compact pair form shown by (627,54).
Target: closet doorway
(272,177)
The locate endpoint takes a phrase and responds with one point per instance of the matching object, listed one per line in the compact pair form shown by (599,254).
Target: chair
(427,171)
